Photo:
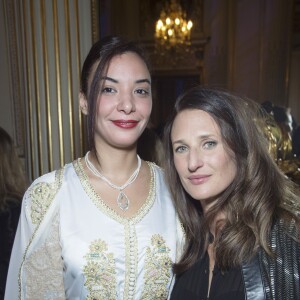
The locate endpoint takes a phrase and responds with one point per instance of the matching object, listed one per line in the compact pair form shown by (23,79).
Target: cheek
(178,165)
(104,105)
(225,166)
(145,107)
(233,170)
(229,168)
(148,109)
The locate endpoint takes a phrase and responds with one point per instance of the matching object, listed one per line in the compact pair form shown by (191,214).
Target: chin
(201,196)
(126,145)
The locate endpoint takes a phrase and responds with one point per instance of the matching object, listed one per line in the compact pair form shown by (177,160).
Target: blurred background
(251,47)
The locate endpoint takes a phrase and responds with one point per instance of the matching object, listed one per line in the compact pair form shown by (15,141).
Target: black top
(193,284)
(8,224)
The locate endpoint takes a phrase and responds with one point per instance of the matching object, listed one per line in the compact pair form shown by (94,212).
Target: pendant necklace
(122,200)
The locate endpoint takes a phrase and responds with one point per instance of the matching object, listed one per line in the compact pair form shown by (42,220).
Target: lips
(126,124)
(198,179)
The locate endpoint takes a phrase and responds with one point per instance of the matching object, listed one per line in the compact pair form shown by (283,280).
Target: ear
(83,103)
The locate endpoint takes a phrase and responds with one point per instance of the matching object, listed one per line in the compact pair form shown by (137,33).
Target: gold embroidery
(41,197)
(40,208)
(131,249)
(100,272)
(157,269)
(131,263)
(100,204)
(44,268)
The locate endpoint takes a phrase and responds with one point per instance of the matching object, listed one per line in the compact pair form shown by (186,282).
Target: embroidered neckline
(104,208)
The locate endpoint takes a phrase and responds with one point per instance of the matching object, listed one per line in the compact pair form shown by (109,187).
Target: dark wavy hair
(13,182)
(259,194)
(95,67)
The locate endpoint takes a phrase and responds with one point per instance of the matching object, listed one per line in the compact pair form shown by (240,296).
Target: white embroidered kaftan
(70,245)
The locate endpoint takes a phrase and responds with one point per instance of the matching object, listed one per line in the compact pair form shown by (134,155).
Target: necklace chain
(122,199)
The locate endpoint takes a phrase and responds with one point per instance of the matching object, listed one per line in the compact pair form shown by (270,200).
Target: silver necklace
(122,200)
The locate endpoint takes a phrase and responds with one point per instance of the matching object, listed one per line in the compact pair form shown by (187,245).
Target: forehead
(122,64)
(128,62)
(193,121)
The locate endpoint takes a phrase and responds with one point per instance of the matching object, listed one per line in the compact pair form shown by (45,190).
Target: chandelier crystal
(173,29)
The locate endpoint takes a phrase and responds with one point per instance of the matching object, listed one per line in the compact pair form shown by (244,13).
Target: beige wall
(6,105)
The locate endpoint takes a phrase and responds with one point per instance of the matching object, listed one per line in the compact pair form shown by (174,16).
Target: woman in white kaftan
(70,245)
(81,234)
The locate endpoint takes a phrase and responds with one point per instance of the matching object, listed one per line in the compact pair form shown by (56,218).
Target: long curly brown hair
(13,181)
(259,194)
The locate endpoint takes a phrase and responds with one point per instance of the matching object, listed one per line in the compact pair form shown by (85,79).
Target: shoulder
(46,181)
(55,177)
(286,229)
(42,192)
(292,205)
(285,245)
(284,239)
(154,166)
(159,175)
(158,171)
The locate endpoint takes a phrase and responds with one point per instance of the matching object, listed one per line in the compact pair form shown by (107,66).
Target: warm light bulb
(189,25)
(183,28)
(170,32)
(168,21)
(177,21)
(159,24)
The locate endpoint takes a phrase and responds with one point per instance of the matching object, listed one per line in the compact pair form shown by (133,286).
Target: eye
(209,144)
(142,92)
(180,149)
(108,90)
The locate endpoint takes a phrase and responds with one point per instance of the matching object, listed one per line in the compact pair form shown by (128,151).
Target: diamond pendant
(123,201)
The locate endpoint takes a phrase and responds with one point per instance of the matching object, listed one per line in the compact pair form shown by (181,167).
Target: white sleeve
(36,217)
(22,238)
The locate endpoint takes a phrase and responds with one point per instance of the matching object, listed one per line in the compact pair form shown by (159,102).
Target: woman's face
(124,103)
(203,164)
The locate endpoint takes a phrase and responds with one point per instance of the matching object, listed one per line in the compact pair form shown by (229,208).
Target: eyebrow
(116,81)
(143,80)
(201,137)
(109,79)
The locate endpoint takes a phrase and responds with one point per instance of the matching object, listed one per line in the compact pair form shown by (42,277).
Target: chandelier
(173,29)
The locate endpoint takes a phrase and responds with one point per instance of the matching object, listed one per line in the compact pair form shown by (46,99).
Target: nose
(126,103)
(195,160)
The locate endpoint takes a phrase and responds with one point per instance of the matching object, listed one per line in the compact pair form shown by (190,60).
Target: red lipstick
(126,124)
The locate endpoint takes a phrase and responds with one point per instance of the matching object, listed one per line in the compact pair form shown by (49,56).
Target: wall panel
(47,42)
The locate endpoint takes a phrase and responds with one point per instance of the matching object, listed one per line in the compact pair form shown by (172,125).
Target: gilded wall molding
(15,62)
(48,41)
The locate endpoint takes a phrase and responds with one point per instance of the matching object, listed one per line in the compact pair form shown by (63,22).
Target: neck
(116,165)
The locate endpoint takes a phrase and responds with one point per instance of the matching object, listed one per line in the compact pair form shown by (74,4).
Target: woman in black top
(239,211)
(12,188)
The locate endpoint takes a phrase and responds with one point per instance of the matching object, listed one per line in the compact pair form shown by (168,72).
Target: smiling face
(201,159)
(124,103)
